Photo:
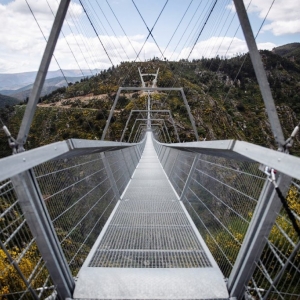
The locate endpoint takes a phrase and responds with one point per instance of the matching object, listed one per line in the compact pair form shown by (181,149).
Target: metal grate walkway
(150,248)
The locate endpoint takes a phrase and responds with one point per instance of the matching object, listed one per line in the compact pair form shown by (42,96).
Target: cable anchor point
(11,141)
(271,173)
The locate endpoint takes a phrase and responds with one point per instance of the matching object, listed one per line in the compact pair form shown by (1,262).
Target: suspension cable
(150,31)
(95,31)
(46,40)
(202,28)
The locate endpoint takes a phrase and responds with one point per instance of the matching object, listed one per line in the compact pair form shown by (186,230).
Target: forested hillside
(223,95)
(7,101)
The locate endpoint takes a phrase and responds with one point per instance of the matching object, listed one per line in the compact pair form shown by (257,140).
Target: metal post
(39,221)
(148,113)
(178,139)
(255,239)
(190,114)
(171,170)
(110,176)
(126,163)
(142,79)
(260,73)
(163,111)
(165,155)
(132,130)
(110,114)
(163,132)
(167,132)
(189,178)
(19,271)
(126,126)
(132,158)
(41,75)
(280,273)
(135,136)
(138,153)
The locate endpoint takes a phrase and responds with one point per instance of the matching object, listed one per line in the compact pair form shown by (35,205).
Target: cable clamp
(290,141)
(11,141)
(270,172)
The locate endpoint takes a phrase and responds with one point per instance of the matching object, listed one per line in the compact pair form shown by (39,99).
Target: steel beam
(189,178)
(192,120)
(15,164)
(151,89)
(147,120)
(163,111)
(263,219)
(260,73)
(111,114)
(19,271)
(156,111)
(110,176)
(39,221)
(126,126)
(41,75)
(244,151)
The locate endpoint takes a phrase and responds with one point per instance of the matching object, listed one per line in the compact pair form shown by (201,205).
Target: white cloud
(283,18)
(22,42)
(222,46)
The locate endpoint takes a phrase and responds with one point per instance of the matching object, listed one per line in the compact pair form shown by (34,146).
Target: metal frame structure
(161,131)
(146,111)
(164,123)
(19,169)
(150,90)
(41,75)
(268,206)
(240,150)
(36,214)
(260,73)
(142,128)
(149,74)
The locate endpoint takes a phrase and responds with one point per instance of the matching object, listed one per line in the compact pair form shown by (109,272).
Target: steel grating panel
(149,248)
(149,259)
(150,219)
(149,229)
(161,184)
(147,238)
(151,207)
(161,194)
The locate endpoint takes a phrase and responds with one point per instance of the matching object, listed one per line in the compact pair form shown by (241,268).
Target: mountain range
(18,85)
(223,96)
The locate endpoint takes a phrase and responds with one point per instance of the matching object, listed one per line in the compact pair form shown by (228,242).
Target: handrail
(15,164)
(245,151)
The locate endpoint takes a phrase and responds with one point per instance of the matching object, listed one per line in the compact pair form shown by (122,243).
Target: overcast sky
(22,42)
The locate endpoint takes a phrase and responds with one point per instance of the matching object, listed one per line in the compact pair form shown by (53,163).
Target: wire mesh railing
(221,195)
(23,274)
(78,193)
(79,197)
(277,273)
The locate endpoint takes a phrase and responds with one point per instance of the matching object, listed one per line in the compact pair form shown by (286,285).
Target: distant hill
(7,100)
(50,85)
(291,51)
(18,80)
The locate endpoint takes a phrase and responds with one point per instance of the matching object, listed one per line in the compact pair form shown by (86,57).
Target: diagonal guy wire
(150,31)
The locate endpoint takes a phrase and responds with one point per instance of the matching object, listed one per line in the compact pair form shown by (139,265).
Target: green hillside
(225,102)
(7,100)
(291,51)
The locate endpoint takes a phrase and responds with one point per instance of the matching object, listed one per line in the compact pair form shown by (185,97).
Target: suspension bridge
(149,219)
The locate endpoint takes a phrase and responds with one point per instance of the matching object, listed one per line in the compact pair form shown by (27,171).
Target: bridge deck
(150,248)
